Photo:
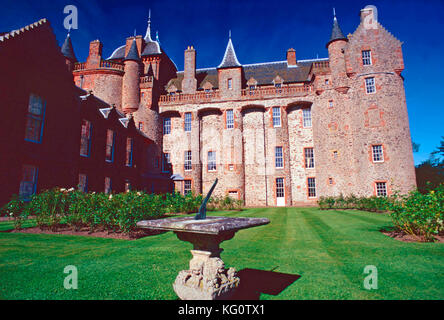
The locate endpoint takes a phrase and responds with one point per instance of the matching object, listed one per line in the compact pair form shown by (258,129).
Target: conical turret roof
(133,54)
(229,60)
(336,32)
(67,49)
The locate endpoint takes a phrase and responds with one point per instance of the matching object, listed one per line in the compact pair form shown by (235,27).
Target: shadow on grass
(253,282)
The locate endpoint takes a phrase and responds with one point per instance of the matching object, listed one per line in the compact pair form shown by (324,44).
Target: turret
(189,82)
(230,73)
(336,52)
(131,80)
(68,52)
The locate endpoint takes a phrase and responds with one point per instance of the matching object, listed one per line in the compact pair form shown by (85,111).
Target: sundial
(207,278)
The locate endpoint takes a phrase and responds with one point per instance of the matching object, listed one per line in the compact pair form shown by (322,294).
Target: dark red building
(54,134)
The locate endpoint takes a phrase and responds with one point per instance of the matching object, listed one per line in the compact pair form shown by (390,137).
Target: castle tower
(68,52)
(336,50)
(131,80)
(230,73)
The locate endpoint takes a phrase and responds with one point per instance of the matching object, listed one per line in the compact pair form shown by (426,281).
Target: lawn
(324,253)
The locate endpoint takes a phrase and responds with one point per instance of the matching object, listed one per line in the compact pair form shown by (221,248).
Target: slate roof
(67,49)
(336,32)
(263,73)
(229,60)
(133,54)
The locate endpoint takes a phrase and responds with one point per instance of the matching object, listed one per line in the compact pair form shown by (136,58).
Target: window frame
(276,117)
(112,145)
(190,189)
(166,162)
(309,159)
(230,120)
(370,86)
(34,117)
(280,190)
(131,151)
(188,118)
(305,119)
(279,158)
(312,186)
(366,58)
(85,186)
(377,190)
(88,139)
(230,83)
(188,157)
(379,154)
(211,162)
(33,182)
(166,124)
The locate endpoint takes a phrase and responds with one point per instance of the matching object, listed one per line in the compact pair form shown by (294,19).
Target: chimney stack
(189,82)
(291,57)
(95,54)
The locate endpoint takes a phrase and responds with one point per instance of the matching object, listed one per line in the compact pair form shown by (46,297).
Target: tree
(430,173)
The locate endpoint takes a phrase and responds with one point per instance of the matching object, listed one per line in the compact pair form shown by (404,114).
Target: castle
(274,134)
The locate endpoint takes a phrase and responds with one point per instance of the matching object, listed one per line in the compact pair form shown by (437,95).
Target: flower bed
(57,208)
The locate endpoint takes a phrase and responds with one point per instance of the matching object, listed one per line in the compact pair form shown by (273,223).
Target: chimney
(189,82)
(291,57)
(95,54)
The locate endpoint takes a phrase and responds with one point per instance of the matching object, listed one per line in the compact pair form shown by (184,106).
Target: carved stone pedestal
(207,278)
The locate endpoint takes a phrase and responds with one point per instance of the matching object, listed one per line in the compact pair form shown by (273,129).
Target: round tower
(336,50)
(68,52)
(131,80)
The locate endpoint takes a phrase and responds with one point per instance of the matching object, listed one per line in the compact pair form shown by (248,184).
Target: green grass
(327,249)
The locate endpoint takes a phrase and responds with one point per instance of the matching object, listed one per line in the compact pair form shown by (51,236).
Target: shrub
(16,208)
(419,214)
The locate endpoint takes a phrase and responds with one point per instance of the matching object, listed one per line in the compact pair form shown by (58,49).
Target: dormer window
(251,89)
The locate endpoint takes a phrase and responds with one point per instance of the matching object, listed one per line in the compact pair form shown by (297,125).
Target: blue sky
(262,31)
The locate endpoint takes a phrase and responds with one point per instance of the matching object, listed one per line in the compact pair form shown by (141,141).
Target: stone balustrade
(103,65)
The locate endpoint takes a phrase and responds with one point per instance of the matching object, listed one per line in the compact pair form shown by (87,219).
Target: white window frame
(187,189)
(279,157)
(166,125)
(377,153)
(309,158)
(187,166)
(306,118)
(280,188)
(370,85)
(276,114)
(366,57)
(230,119)
(311,187)
(187,121)
(211,156)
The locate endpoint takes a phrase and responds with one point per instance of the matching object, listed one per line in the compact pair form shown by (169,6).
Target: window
(330,181)
(211,160)
(327,81)
(166,125)
(366,57)
(166,162)
(129,152)
(187,165)
(280,191)
(108,188)
(311,183)
(381,189)
(81,81)
(230,84)
(276,116)
(306,116)
(83,182)
(230,119)
(233,194)
(141,126)
(370,85)
(34,119)
(85,138)
(186,187)
(109,152)
(28,185)
(309,158)
(378,153)
(187,126)
(330,103)
(278,87)
(251,90)
(279,158)
(335,154)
